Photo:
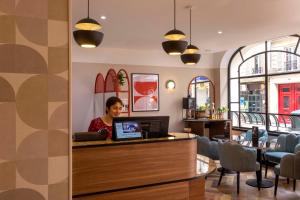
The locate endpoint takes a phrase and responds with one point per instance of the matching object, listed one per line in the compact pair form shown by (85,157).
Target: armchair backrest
(290,166)
(262,135)
(248,136)
(281,143)
(207,148)
(291,142)
(297,166)
(202,145)
(287,143)
(237,158)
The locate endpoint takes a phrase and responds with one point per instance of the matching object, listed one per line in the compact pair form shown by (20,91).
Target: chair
(289,167)
(286,144)
(238,158)
(207,148)
(246,137)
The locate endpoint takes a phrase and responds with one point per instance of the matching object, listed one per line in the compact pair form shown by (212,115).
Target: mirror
(202,89)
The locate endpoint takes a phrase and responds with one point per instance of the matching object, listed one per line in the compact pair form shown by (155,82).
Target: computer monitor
(126,128)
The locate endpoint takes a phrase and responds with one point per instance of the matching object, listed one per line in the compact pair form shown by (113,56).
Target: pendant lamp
(88,34)
(190,55)
(174,44)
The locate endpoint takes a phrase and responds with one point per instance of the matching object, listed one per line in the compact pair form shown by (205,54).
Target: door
(286,102)
(297,96)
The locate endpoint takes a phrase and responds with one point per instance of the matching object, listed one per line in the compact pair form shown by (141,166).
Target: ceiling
(140,24)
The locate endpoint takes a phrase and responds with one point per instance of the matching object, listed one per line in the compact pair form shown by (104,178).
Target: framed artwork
(145,92)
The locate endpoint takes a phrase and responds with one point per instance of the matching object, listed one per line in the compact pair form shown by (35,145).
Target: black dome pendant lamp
(174,44)
(88,34)
(190,55)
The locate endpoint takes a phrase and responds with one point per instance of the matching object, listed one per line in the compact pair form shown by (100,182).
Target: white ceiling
(139,25)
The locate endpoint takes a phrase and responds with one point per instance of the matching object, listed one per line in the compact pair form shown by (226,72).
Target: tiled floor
(227,189)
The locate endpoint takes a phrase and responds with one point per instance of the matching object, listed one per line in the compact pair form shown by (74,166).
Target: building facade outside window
(264,85)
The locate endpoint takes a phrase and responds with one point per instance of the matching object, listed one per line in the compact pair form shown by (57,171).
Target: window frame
(266,76)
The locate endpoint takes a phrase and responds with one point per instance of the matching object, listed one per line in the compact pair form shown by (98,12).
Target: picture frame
(145,92)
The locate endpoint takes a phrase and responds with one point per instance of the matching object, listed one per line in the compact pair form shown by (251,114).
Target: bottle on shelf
(213,110)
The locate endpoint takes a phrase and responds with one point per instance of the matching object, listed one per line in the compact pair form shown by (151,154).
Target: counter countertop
(175,137)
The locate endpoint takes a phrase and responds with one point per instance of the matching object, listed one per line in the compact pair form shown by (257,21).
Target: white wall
(223,93)
(84,74)
(139,57)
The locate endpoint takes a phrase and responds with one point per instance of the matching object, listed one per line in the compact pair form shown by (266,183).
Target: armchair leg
(294,185)
(258,178)
(276,184)
(238,182)
(222,174)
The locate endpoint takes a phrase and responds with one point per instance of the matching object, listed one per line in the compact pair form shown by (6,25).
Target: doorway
(288,100)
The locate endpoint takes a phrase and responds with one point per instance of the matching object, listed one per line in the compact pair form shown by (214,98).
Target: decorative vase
(221,115)
(202,114)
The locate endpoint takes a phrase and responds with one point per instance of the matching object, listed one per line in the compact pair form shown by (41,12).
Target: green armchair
(289,167)
(237,158)
(207,148)
(285,145)
(246,137)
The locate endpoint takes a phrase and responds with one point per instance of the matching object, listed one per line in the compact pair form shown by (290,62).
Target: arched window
(264,85)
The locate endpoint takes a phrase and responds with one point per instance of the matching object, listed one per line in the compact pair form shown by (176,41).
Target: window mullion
(266,88)
(241,55)
(239,98)
(297,45)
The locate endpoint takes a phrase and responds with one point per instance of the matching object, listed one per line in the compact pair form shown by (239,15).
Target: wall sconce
(170,85)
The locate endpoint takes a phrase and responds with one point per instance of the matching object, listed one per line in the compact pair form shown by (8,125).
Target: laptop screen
(128,130)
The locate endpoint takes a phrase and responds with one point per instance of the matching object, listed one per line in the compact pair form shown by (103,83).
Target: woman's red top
(97,124)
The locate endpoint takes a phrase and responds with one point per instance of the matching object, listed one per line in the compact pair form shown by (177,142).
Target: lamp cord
(174,14)
(88,8)
(190,25)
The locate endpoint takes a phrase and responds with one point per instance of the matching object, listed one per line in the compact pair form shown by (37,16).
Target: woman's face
(115,110)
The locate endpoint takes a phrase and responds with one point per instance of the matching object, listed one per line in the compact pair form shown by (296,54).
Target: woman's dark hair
(112,101)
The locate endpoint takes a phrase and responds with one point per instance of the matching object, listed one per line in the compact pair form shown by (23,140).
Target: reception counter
(160,168)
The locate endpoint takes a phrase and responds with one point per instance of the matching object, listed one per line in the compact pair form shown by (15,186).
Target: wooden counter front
(161,169)
(113,167)
(172,191)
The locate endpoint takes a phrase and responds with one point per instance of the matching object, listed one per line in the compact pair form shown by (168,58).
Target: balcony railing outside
(281,123)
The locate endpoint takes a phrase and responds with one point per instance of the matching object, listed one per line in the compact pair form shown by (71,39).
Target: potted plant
(121,79)
(220,112)
(202,111)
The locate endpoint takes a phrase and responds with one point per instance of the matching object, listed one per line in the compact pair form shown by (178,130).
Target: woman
(113,109)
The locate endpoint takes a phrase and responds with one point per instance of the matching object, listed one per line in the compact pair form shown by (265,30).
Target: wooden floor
(227,189)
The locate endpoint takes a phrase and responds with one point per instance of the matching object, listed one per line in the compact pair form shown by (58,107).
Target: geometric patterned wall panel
(34,100)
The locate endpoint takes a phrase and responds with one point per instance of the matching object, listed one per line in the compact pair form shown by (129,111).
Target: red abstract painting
(145,92)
